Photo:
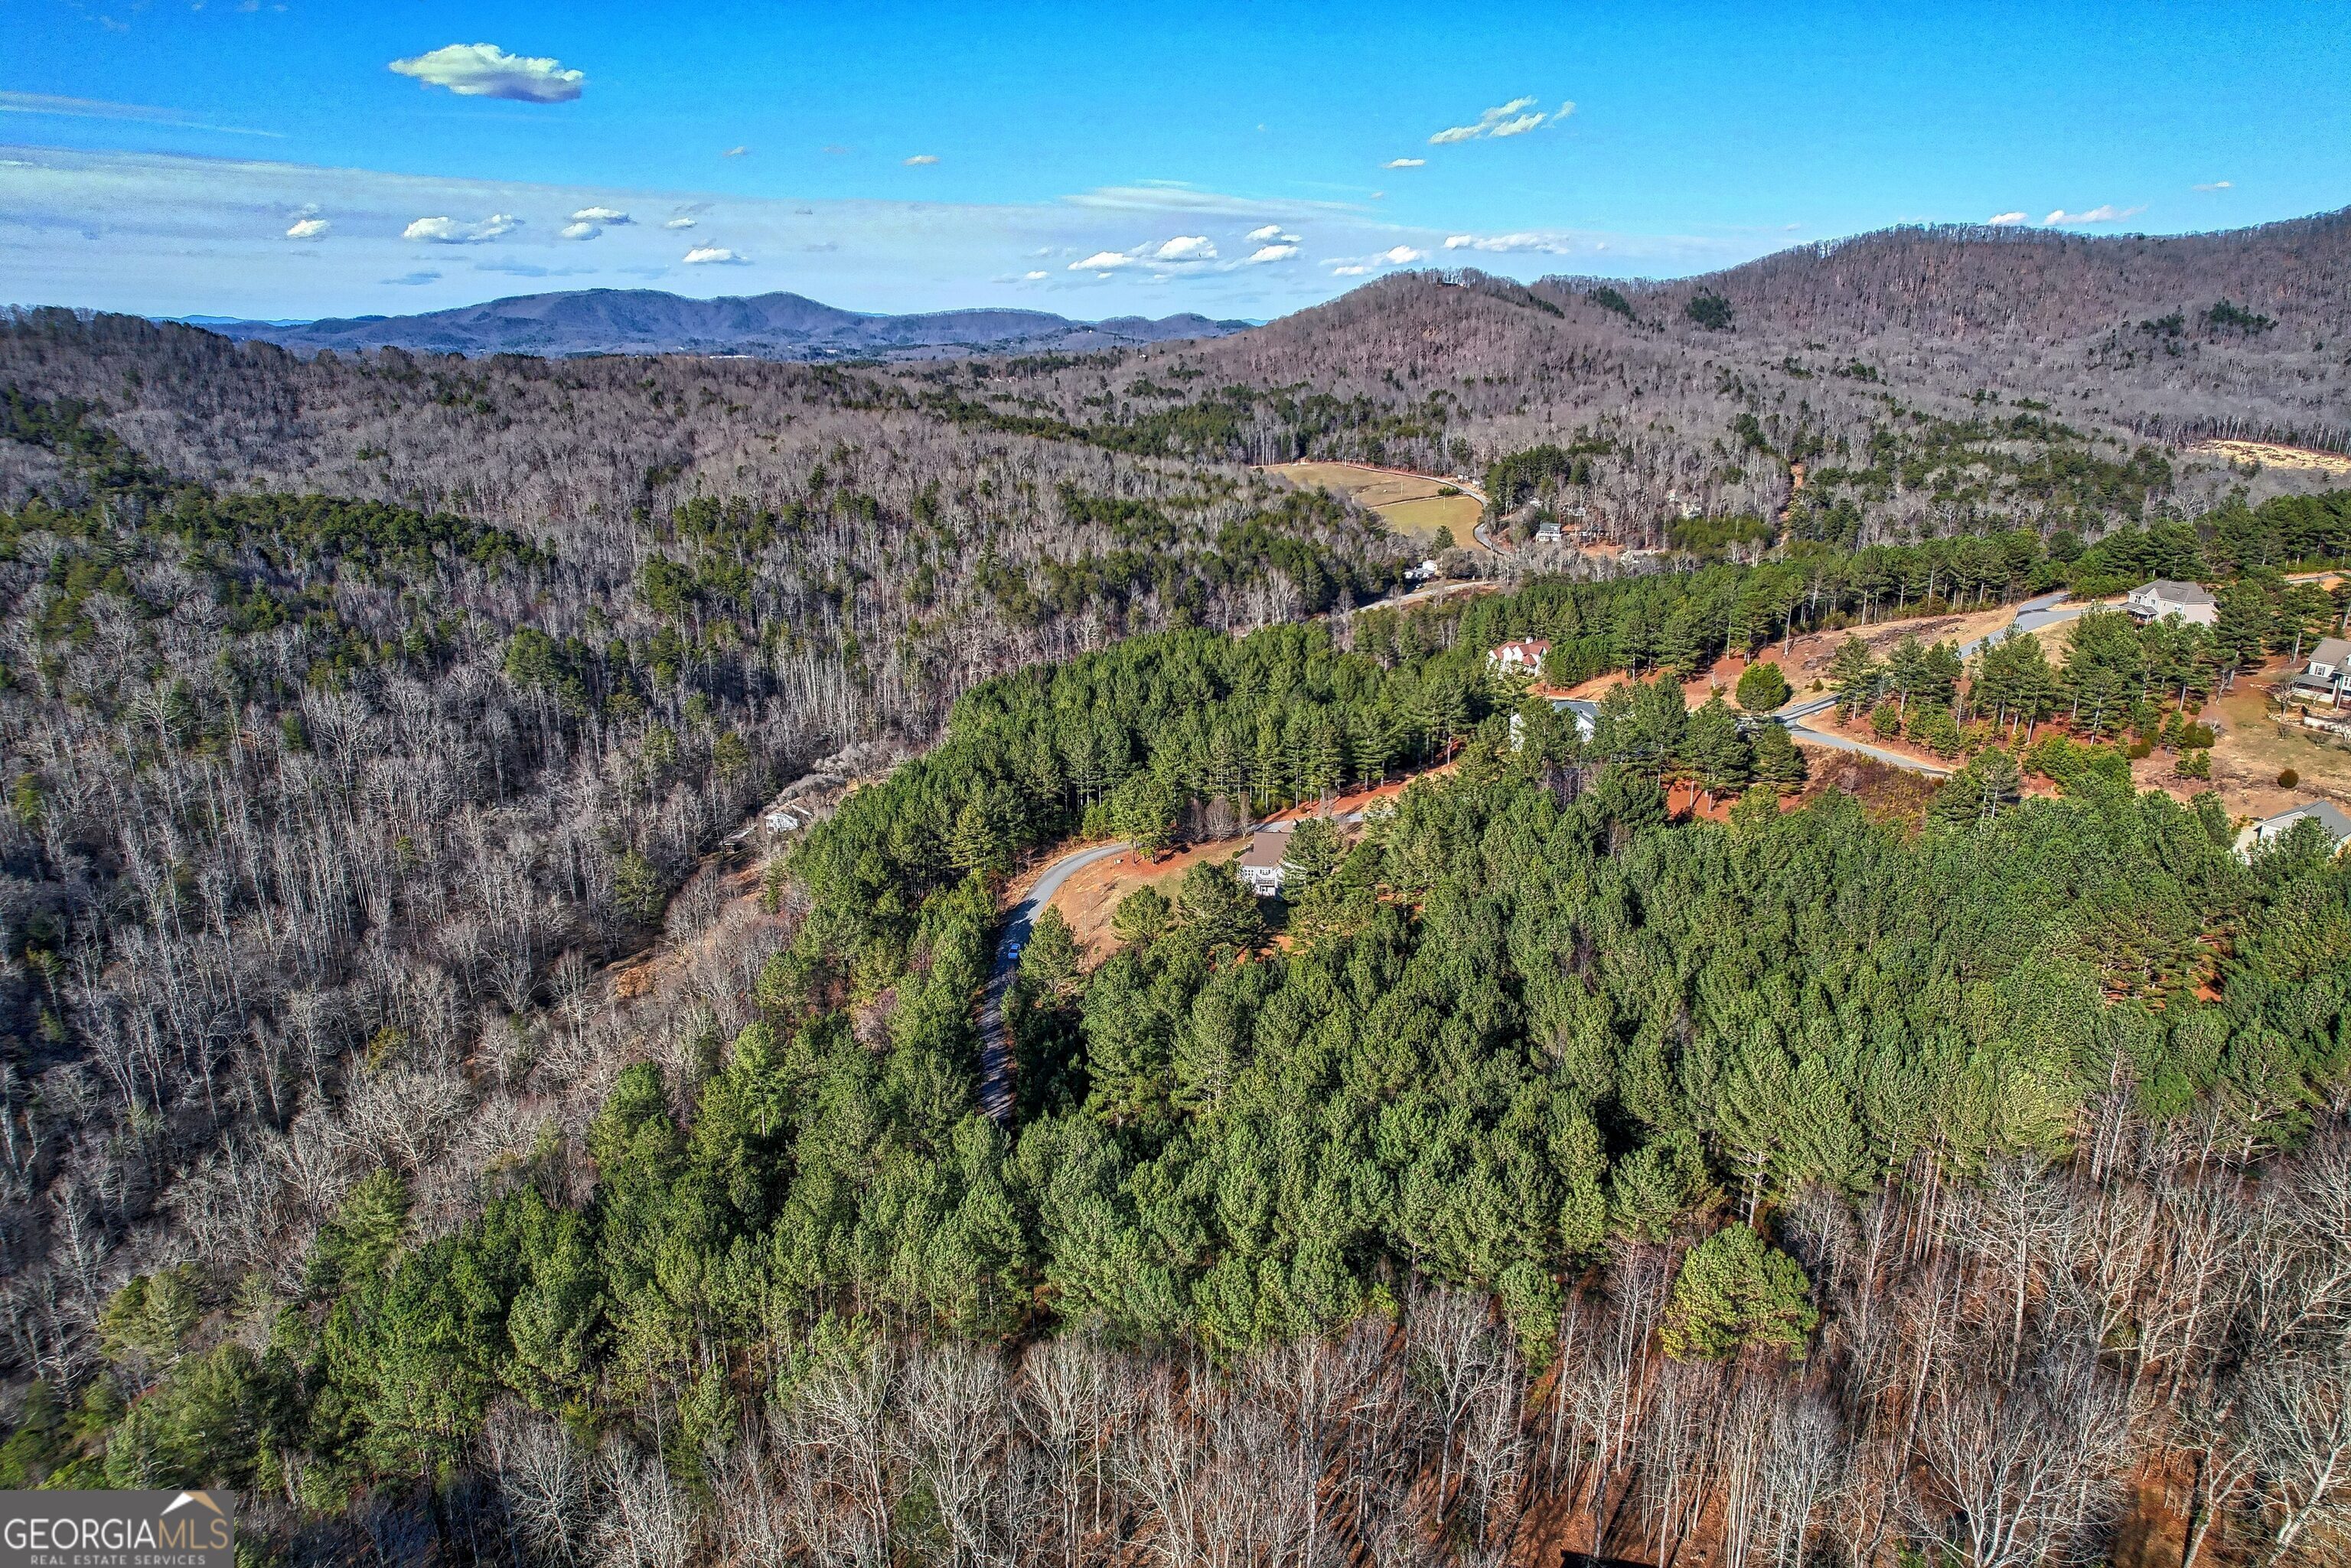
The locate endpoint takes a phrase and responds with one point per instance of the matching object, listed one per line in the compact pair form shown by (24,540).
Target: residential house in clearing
(2326,674)
(1261,863)
(2164,599)
(2330,817)
(1523,657)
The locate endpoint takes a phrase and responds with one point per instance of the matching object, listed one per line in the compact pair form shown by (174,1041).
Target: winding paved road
(2031,615)
(995,1039)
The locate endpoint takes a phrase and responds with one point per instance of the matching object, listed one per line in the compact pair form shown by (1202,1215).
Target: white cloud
(309,228)
(1260,235)
(612,215)
(1403,255)
(449,231)
(713,255)
(1404,163)
(1266,252)
(920,158)
(735,152)
(1102,261)
(1349,271)
(485,70)
(1187,247)
(2108,214)
(2006,220)
(1033,276)
(2218,185)
(99,108)
(578,231)
(1515,118)
(211,241)
(680,223)
(1507,243)
(1173,196)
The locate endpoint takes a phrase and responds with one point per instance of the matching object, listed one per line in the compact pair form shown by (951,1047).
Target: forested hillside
(1838,1185)
(415,1118)
(1958,373)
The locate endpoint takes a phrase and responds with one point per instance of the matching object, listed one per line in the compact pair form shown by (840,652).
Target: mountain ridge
(779,325)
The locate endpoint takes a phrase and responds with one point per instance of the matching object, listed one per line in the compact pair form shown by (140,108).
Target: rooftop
(1268,847)
(2326,813)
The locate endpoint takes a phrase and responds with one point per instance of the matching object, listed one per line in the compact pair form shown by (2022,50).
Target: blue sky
(304,159)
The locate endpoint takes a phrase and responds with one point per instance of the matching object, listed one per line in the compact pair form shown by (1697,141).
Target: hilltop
(777,325)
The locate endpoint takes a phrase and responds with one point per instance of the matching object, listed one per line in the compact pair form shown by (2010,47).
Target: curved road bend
(2031,615)
(995,1039)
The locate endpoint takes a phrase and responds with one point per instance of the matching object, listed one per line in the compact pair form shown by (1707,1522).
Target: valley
(636,957)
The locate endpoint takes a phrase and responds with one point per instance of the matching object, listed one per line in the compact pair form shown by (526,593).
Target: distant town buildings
(2164,599)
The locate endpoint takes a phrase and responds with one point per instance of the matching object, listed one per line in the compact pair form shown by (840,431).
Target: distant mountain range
(763,325)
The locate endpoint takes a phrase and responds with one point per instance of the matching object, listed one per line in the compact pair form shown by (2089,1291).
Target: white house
(1523,657)
(1261,863)
(2325,813)
(2164,599)
(2327,673)
(1547,532)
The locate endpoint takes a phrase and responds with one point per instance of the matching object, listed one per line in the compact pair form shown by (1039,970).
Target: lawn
(1412,506)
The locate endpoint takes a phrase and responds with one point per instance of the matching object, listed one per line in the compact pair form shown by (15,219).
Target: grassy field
(1412,507)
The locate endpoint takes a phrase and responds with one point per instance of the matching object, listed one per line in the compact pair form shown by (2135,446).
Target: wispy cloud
(309,228)
(921,159)
(1404,163)
(513,268)
(2007,219)
(2106,213)
(412,279)
(162,233)
(714,256)
(680,223)
(1515,118)
(449,231)
(2218,185)
(1553,243)
(736,152)
(485,70)
(1173,196)
(98,109)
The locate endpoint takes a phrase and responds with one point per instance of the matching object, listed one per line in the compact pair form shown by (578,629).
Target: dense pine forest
(424,1116)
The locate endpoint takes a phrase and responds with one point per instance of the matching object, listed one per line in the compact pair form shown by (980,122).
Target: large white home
(1523,657)
(2327,673)
(2164,599)
(1261,863)
(2325,813)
